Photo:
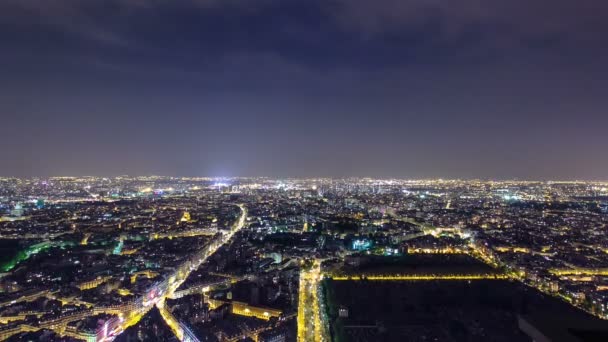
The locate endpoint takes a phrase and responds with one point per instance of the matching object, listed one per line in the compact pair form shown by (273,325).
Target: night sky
(496,89)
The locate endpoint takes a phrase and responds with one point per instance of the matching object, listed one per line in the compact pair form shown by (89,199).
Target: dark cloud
(519,17)
(328,33)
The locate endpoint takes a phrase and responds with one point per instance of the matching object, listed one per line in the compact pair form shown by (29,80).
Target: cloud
(69,16)
(321,33)
(521,19)
(103,20)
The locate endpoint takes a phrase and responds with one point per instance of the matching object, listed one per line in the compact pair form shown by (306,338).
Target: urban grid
(232,259)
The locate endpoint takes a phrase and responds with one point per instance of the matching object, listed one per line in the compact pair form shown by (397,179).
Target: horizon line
(437,179)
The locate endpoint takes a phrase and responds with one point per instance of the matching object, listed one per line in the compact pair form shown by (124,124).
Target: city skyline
(320,178)
(404,89)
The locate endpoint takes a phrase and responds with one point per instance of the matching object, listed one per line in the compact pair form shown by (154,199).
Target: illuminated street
(398,277)
(311,324)
(174,283)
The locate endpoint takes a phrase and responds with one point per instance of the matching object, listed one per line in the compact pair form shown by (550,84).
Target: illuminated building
(244,309)
(361,244)
(186,217)
(91,284)
(17,210)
